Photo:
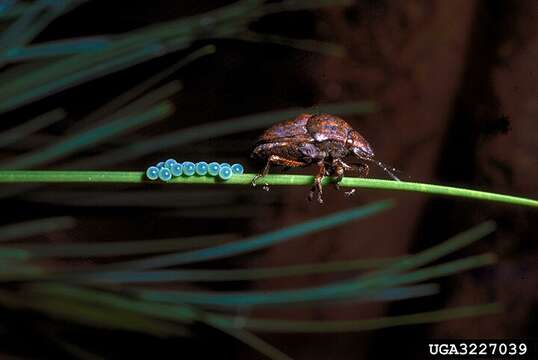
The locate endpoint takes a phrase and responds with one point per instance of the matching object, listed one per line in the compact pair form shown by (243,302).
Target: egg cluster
(165,170)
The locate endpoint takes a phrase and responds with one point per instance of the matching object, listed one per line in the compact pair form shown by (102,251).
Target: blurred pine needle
(74,297)
(73,62)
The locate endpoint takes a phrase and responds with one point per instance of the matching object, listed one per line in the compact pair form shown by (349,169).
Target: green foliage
(20,132)
(74,62)
(35,227)
(145,308)
(88,138)
(83,295)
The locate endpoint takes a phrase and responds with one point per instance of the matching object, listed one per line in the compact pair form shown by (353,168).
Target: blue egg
(189,168)
(169,163)
(238,169)
(165,174)
(201,168)
(225,172)
(152,173)
(225,164)
(176,169)
(160,165)
(213,168)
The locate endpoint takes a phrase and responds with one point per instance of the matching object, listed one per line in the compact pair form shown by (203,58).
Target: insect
(324,140)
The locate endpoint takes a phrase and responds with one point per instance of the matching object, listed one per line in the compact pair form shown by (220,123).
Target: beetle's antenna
(385,168)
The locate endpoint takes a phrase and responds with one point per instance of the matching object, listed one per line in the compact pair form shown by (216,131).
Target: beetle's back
(328,127)
(290,129)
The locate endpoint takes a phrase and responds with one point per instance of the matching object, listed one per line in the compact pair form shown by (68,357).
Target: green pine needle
(35,227)
(108,248)
(339,326)
(24,130)
(86,139)
(119,177)
(259,241)
(214,275)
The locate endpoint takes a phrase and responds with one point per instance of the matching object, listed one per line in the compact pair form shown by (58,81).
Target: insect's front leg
(317,189)
(339,173)
(361,169)
(338,169)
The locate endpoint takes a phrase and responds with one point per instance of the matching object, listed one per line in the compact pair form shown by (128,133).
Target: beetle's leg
(361,169)
(339,166)
(339,172)
(264,172)
(344,165)
(317,188)
(350,192)
(277,160)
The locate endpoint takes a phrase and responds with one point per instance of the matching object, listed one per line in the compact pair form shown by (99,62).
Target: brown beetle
(324,140)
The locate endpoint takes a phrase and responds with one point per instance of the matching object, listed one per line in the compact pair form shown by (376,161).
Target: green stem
(120,177)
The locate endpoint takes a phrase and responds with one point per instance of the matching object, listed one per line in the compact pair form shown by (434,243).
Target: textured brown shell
(290,129)
(308,128)
(328,127)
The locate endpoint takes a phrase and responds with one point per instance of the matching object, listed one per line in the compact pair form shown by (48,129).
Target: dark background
(457,87)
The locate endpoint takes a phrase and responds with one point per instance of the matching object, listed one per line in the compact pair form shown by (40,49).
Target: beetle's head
(359,146)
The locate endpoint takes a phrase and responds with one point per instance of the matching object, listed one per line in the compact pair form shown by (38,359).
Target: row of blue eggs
(165,170)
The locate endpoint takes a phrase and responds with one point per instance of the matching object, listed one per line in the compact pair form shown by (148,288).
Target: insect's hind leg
(264,172)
